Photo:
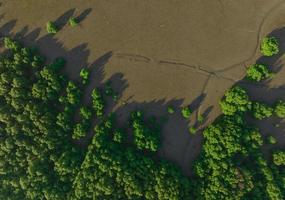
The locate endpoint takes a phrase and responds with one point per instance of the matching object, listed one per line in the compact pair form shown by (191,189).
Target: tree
(11,44)
(235,101)
(192,130)
(80,129)
(257,72)
(85,112)
(73,21)
(51,27)
(84,74)
(279,109)
(98,102)
(58,63)
(145,137)
(170,109)
(73,93)
(269,46)
(200,118)
(278,158)
(271,140)
(186,112)
(261,111)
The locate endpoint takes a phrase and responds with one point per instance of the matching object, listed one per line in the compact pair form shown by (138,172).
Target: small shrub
(269,46)
(186,112)
(279,109)
(58,63)
(257,72)
(84,74)
(98,102)
(73,21)
(279,158)
(261,111)
(52,28)
(85,112)
(119,136)
(200,118)
(170,109)
(108,89)
(193,130)
(11,44)
(271,140)
(80,129)
(115,96)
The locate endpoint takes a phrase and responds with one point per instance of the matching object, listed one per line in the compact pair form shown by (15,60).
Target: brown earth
(159,53)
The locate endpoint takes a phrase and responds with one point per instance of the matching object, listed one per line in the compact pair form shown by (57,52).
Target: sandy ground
(158,53)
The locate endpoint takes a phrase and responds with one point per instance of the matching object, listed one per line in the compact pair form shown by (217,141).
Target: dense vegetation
(39,155)
(43,122)
(231,164)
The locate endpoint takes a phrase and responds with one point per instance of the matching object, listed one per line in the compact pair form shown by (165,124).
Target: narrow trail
(204,69)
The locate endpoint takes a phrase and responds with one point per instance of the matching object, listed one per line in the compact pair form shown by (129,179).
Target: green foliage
(257,72)
(279,158)
(58,63)
(271,140)
(108,89)
(200,118)
(84,74)
(146,137)
(192,130)
(73,21)
(119,136)
(11,44)
(219,176)
(170,109)
(186,112)
(98,102)
(80,129)
(235,101)
(279,109)
(73,94)
(85,112)
(37,159)
(51,28)
(269,46)
(261,111)
(113,171)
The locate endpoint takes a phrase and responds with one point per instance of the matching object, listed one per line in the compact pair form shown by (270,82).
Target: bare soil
(158,53)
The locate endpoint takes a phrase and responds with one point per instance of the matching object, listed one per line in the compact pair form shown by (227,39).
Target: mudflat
(164,52)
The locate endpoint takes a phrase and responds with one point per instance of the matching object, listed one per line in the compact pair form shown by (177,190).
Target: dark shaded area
(63,19)
(7,27)
(196,103)
(83,15)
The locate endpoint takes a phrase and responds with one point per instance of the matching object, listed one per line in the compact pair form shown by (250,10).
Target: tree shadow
(196,103)
(83,15)
(63,19)
(7,28)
